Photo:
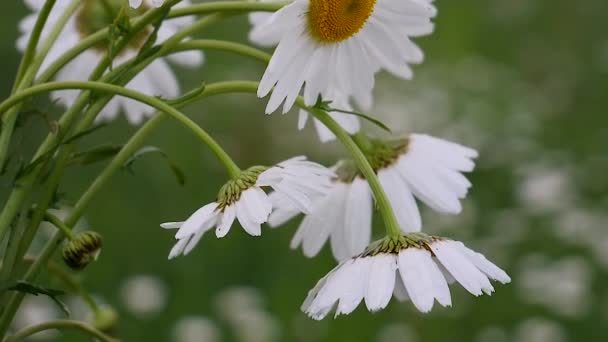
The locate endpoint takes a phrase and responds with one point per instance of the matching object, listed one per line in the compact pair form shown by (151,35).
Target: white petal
(196,220)
(381,282)
(416,278)
(226,220)
(358,217)
(485,265)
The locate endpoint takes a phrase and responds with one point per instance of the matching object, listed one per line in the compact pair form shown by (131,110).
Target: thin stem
(386,210)
(198,9)
(69,281)
(60,324)
(231,167)
(56,221)
(30,50)
(227,6)
(206,44)
(9,119)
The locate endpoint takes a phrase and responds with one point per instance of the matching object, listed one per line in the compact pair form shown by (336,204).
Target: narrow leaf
(94,155)
(33,289)
(177,171)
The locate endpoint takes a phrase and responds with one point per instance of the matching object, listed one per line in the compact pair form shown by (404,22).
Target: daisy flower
(156,79)
(243,199)
(417,267)
(339,44)
(419,166)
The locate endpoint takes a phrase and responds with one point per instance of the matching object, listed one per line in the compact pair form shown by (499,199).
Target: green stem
(56,221)
(60,324)
(160,105)
(199,9)
(227,6)
(238,48)
(30,50)
(386,210)
(73,284)
(9,119)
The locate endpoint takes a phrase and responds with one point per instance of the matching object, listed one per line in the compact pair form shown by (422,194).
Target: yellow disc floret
(332,21)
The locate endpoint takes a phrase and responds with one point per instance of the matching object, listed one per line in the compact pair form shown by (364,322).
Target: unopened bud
(82,250)
(105,319)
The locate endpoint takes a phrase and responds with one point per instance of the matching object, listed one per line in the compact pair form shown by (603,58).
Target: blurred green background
(525,82)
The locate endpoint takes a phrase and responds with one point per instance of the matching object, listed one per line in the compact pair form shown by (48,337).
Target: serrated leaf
(179,174)
(95,155)
(33,289)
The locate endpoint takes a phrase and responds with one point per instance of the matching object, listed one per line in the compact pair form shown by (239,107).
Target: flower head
(415,266)
(419,166)
(339,45)
(91,16)
(243,199)
(79,252)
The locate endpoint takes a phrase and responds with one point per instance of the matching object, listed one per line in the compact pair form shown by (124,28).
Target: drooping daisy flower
(137,3)
(416,267)
(339,44)
(156,79)
(297,179)
(420,165)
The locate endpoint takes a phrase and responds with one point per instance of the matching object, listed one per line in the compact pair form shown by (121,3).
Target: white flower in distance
(243,199)
(91,16)
(339,44)
(417,267)
(137,3)
(418,166)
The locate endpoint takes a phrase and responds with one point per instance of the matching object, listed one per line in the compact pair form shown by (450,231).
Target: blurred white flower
(35,310)
(564,286)
(422,166)
(540,330)
(156,79)
(330,44)
(137,3)
(196,329)
(144,295)
(297,180)
(546,188)
(492,334)
(424,269)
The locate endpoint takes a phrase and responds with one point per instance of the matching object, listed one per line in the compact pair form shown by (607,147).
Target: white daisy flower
(416,267)
(137,3)
(429,169)
(420,166)
(339,44)
(350,123)
(156,79)
(297,179)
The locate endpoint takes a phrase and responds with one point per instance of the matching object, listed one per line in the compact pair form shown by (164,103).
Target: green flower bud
(105,319)
(82,250)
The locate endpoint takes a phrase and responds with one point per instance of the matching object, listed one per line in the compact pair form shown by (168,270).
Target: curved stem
(9,119)
(386,210)
(60,324)
(238,48)
(199,9)
(56,221)
(160,105)
(228,6)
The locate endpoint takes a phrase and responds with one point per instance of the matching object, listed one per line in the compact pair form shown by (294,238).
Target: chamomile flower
(339,44)
(416,266)
(91,15)
(243,199)
(419,166)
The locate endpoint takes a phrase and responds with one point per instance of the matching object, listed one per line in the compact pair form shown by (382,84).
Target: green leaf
(326,106)
(179,174)
(33,289)
(94,155)
(187,97)
(85,133)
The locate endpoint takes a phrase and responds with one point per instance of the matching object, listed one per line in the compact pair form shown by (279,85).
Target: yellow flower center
(333,21)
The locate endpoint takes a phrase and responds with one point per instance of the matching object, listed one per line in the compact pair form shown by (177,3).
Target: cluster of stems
(30,198)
